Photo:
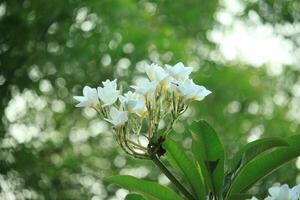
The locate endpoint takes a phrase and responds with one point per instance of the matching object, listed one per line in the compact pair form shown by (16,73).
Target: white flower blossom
(156,73)
(190,91)
(135,103)
(279,193)
(166,92)
(179,72)
(108,94)
(282,192)
(145,87)
(295,192)
(117,117)
(89,98)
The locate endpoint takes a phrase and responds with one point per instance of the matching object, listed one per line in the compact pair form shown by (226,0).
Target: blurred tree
(50,50)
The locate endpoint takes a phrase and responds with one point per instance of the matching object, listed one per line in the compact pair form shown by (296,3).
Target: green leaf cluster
(204,171)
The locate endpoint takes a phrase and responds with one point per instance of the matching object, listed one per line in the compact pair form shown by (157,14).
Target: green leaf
(253,149)
(147,187)
(172,161)
(187,166)
(209,153)
(240,196)
(211,165)
(264,164)
(134,197)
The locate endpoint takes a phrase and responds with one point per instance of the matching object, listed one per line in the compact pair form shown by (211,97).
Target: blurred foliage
(50,49)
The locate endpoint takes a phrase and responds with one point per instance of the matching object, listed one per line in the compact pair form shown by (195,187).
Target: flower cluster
(283,192)
(150,110)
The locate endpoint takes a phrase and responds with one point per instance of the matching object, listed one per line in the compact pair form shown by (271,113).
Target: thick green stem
(170,176)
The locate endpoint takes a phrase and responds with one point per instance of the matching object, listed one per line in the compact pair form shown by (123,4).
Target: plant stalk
(170,176)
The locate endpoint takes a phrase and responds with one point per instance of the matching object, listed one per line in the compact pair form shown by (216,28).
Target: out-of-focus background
(246,52)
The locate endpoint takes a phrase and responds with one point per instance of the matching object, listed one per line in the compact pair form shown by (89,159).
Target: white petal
(274,191)
(117,117)
(253,198)
(155,72)
(202,93)
(179,71)
(270,198)
(100,92)
(82,104)
(122,99)
(112,84)
(92,94)
(145,87)
(86,89)
(295,192)
(79,98)
(284,192)
(108,94)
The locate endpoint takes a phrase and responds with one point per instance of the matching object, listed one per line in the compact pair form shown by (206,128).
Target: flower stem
(170,176)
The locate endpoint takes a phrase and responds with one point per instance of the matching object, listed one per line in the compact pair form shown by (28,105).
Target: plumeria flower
(279,193)
(145,87)
(253,198)
(156,73)
(295,192)
(282,193)
(135,103)
(117,117)
(179,72)
(89,98)
(108,94)
(166,92)
(190,91)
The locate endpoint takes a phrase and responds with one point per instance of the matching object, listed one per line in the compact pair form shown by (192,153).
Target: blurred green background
(246,52)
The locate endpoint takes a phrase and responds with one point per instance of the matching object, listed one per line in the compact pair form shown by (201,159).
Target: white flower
(279,193)
(156,73)
(190,91)
(295,192)
(253,198)
(117,117)
(145,87)
(179,72)
(89,98)
(135,103)
(108,94)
